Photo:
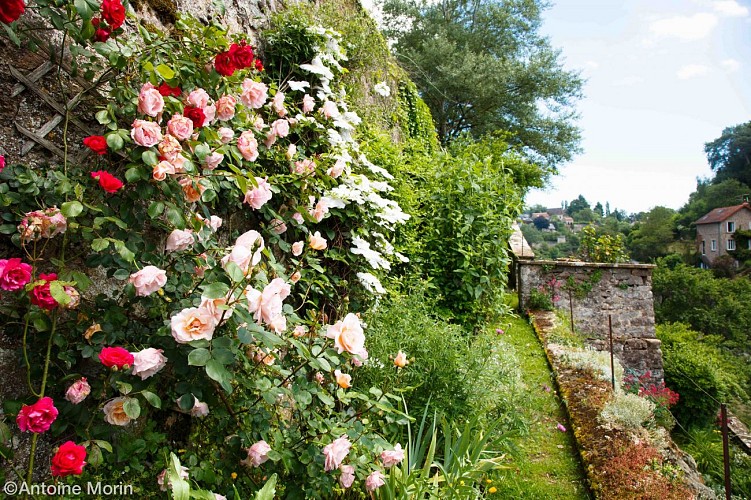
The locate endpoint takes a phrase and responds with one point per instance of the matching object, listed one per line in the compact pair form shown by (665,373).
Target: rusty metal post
(571,310)
(725,448)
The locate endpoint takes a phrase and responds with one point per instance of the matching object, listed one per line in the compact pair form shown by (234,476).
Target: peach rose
(259,195)
(266,306)
(114,413)
(317,242)
(248,145)
(295,277)
(297,248)
(400,361)
(180,127)
(225,107)
(150,101)
(179,240)
(254,94)
(192,189)
(162,169)
(170,148)
(348,335)
(343,380)
(146,134)
(148,362)
(337,169)
(277,104)
(215,307)
(320,211)
(193,323)
(329,109)
(247,251)
(148,280)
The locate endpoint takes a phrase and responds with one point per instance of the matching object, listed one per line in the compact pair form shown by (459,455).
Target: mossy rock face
(164,10)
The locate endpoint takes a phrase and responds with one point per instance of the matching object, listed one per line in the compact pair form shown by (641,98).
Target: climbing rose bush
(206,265)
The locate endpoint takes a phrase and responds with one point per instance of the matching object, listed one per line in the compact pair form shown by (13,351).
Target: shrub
(595,362)
(627,411)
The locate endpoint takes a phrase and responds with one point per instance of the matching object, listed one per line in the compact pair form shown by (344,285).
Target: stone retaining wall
(596,292)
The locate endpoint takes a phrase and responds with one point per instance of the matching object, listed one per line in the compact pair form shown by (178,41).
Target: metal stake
(612,364)
(725,448)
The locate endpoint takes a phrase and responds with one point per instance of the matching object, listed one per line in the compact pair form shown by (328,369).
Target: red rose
(166,90)
(196,115)
(224,64)
(69,459)
(10,10)
(2,163)
(40,294)
(242,55)
(97,143)
(107,181)
(102,35)
(14,274)
(259,65)
(116,357)
(113,12)
(38,417)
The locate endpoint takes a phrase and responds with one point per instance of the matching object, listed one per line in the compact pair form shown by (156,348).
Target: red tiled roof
(722,213)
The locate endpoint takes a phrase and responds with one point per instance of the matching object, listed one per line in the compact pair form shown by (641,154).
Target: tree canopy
(482,66)
(730,154)
(652,236)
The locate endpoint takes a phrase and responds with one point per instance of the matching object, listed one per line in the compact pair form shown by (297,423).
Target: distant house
(544,215)
(715,231)
(556,212)
(569,221)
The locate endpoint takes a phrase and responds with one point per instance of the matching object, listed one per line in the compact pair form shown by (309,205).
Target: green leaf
(124,251)
(175,217)
(216,290)
(58,293)
(83,9)
(132,408)
(224,356)
(133,174)
(103,444)
(199,357)
(99,244)
(152,398)
(124,387)
(165,72)
(71,209)
(180,487)
(186,402)
(216,371)
(234,272)
(268,491)
(103,117)
(115,142)
(155,209)
(149,158)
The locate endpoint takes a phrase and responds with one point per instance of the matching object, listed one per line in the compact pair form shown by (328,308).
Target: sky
(662,78)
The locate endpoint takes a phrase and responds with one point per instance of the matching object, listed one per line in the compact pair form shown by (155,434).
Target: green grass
(548,466)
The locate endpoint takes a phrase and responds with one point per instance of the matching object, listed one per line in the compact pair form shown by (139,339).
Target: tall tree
(652,235)
(730,154)
(708,196)
(482,66)
(577,205)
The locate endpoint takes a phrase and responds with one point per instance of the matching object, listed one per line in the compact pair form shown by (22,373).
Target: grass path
(548,466)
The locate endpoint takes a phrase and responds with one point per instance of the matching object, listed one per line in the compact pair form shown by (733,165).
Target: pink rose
(78,391)
(320,211)
(277,104)
(347,477)
(291,151)
(199,98)
(114,411)
(300,331)
(278,226)
(150,101)
(266,306)
(348,335)
(148,280)
(148,362)
(335,453)
(146,134)
(306,166)
(329,109)
(161,478)
(259,195)
(246,251)
(225,107)
(14,274)
(391,458)
(170,148)
(254,94)
(2,163)
(319,377)
(213,160)
(199,410)
(42,224)
(216,308)
(270,140)
(225,134)
(38,417)
(280,128)
(193,323)
(308,103)
(374,481)
(258,123)
(337,169)
(317,242)
(297,248)
(180,126)
(295,277)
(162,169)
(258,453)
(179,240)
(248,145)
(297,217)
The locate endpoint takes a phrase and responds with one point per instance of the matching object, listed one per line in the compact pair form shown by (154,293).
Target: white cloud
(685,27)
(730,8)
(628,81)
(591,65)
(692,71)
(730,65)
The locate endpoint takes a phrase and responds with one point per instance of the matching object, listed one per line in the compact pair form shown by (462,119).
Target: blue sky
(663,77)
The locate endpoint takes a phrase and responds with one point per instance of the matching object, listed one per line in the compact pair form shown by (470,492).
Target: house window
(704,247)
(731,244)
(731,227)
(713,245)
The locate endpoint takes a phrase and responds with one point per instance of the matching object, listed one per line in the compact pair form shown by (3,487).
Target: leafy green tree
(598,209)
(577,205)
(652,236)
(730,154)
(483,66)
(541,223)
(602,247)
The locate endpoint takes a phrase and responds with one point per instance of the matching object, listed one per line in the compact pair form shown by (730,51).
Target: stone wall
(596,292)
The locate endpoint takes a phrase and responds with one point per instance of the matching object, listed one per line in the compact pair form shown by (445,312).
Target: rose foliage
(191,287)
